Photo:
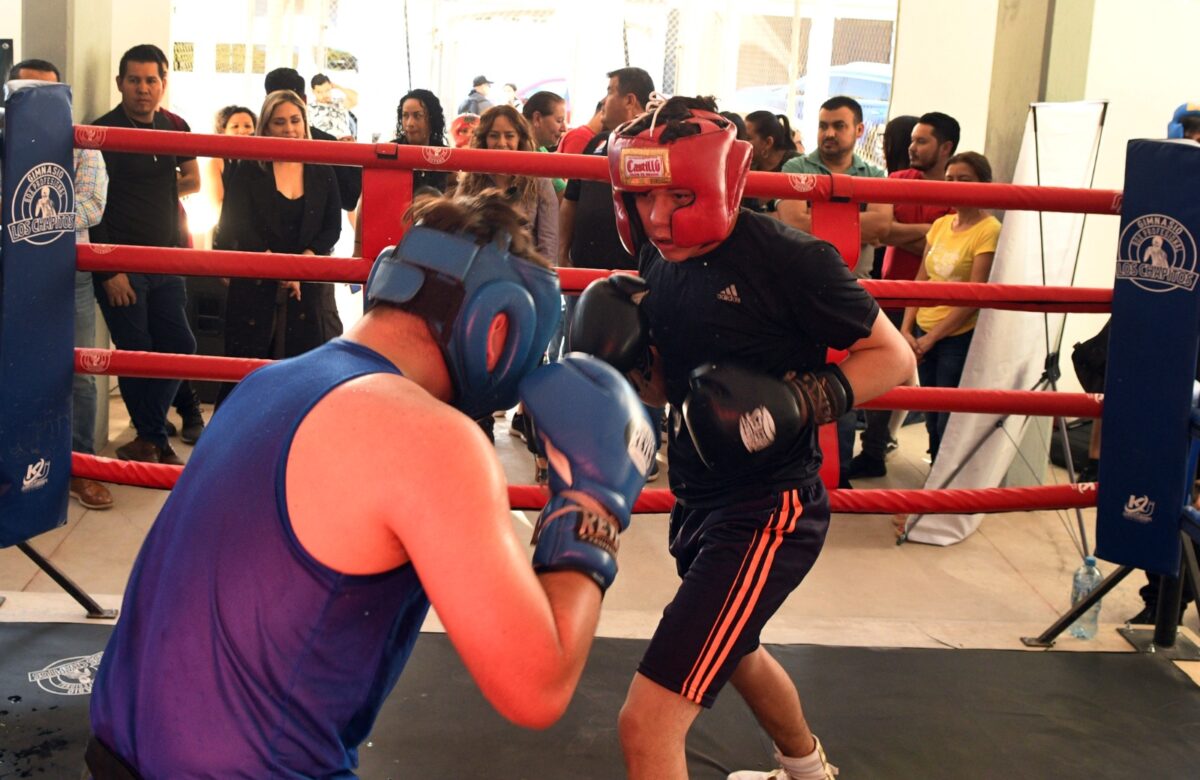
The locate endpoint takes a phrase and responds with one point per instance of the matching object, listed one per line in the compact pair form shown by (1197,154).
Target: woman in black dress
(284,207)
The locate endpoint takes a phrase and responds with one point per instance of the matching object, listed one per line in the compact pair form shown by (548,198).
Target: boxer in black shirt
(730,324)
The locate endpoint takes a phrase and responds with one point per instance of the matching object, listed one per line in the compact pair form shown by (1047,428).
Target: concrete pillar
(76,35)
(1070,45)
(1019,68)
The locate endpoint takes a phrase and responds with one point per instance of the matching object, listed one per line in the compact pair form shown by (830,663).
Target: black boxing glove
(733,414)
(609,324)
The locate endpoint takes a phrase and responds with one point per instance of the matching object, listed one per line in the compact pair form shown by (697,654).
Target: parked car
(870,83)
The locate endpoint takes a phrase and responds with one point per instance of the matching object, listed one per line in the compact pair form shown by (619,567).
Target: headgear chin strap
(712,164)
(459,287)
(1185,111)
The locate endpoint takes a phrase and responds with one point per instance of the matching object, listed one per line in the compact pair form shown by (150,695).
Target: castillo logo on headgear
(1157,254)
(645,167)
(89,136)
(436,155)
(43,205)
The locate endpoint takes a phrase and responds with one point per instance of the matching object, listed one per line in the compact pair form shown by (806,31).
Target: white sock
(809,767)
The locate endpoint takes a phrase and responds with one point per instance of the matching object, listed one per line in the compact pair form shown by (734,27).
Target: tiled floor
(1010,579)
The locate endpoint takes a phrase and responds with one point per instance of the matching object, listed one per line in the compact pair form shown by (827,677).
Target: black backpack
(1090,359)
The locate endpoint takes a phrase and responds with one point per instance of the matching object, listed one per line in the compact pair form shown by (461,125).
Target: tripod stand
(1047,381)
(1062,236)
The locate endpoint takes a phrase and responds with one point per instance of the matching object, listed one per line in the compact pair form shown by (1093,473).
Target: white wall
(10,25)
(134,22)
(1145,64)
(944,62)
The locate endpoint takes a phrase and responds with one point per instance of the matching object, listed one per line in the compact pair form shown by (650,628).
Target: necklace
(136,125)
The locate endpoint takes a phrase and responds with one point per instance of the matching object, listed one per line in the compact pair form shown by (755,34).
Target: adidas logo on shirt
(729,295)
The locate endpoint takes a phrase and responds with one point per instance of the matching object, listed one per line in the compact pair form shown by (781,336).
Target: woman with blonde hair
(289,208)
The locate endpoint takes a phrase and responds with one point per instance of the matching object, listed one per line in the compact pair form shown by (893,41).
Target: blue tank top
(237,654)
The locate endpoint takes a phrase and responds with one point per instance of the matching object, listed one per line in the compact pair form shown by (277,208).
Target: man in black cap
(477,101)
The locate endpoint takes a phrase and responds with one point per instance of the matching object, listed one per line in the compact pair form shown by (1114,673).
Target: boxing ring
(387,190)
(387,179)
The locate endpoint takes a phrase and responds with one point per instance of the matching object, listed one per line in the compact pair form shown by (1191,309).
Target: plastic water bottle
(1087,578)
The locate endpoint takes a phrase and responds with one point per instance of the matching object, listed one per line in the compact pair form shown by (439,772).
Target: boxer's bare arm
(878,362)
(380,473)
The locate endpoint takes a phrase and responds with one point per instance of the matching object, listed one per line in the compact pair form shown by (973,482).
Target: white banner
(1010,347)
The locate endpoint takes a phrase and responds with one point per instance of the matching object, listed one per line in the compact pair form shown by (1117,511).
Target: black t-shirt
(143,194)
(349,178)
(769,298)
(427,180)
(595,242)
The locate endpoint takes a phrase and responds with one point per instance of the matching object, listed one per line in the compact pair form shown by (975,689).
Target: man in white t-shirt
(330,112)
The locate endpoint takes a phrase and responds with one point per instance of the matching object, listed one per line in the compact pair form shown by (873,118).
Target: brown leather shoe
(168,456)
(141,450)
(91,494)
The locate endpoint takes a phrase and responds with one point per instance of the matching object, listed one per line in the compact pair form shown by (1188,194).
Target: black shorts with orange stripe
(738,565)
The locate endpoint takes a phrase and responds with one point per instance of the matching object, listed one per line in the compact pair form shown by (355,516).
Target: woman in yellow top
(959,247)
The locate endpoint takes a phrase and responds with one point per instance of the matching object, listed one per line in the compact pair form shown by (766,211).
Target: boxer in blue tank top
(278,595)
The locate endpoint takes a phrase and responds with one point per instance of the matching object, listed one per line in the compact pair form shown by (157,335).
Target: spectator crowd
(297,208)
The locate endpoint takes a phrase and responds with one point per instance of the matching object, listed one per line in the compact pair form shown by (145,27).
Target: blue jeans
(558,341)
(83,388)
(942,367)
(847,426)
(569,302)
(156,322)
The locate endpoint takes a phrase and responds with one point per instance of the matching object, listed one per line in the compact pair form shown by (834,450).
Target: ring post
(1144,480)
(37,272)
(37,313)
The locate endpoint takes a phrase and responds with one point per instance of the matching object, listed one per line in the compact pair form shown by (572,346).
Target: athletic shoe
(827,771)
(91,494)
(864,465)
(171,429)
(1149,615)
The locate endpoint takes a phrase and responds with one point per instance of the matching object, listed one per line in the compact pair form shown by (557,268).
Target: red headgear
(711,163)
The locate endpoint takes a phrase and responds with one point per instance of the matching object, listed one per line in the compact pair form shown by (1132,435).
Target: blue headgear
(1185,111)
(465,286)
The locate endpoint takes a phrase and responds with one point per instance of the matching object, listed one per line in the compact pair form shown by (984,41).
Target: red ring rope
(813,188)
(121,258)
(758,184)
(162,365)
(258,265)
(659,501)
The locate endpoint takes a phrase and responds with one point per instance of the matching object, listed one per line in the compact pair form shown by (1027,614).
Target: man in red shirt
(934,140)
(576,138)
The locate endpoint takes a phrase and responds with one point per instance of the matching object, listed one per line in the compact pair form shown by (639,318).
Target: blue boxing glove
(600,445)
